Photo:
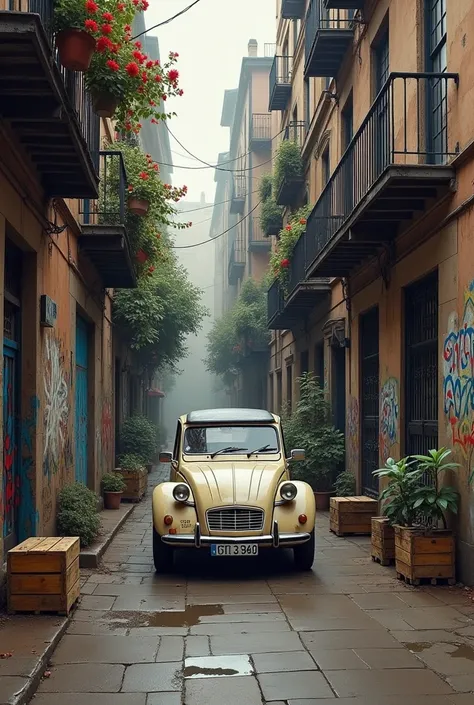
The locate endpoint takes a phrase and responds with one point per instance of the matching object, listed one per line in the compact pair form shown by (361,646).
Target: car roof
(230,416)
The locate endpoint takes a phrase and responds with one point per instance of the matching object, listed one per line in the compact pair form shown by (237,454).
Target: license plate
(243,549)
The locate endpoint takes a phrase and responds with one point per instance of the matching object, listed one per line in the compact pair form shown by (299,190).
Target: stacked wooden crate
(352,515)
(43,575)
(424,556)
(383,541)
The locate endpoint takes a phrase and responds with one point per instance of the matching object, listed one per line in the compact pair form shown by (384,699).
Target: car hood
(252,484)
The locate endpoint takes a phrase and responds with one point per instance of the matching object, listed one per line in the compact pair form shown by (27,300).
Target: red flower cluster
(91,7)
(303,221)
(91,25)
(285,263)
(113,65)
(288,227)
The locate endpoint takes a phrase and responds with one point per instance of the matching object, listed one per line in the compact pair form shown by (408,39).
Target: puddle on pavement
(217,666)
(461,650)
(420,646)
(188,617)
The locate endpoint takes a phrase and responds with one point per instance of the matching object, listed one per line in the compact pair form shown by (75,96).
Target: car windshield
(228,439)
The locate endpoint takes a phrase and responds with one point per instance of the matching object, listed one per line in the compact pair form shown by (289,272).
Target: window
(177,442)
(230,439)
(307,102)
(289,387)
(347,123)
(382,61)
(296,34)
(437,63)
(326,166)
(304,362)
(319,363)
(270,392)
(279,391)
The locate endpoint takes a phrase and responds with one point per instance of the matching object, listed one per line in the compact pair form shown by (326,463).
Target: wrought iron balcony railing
(406,128)
(236,260)
(292,9)
(296,131)
(239,194)
(344,4)
(257,238)
(328,34)
(269,50)
(261,130)
(109,208)
(280,82)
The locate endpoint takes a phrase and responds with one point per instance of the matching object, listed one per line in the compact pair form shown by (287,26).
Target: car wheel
(304,554)
(162,554)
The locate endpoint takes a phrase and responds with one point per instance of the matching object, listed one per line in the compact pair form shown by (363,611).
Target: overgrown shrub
(77,513)
(130,461)
(345,484)
(140,437)
(288,163)
(113,482)
(271,217)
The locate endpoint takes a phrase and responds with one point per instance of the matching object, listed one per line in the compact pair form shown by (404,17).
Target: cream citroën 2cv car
(230,491)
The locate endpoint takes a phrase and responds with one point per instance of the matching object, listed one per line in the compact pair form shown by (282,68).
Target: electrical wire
(210,239)
(211,166)
(212,205)
(170,19)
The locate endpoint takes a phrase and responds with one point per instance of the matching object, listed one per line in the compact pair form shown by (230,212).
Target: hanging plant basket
(138,206)
(104,104)
(75,48)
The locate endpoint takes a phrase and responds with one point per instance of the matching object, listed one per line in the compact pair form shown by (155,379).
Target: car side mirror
(298,454)
(166,457)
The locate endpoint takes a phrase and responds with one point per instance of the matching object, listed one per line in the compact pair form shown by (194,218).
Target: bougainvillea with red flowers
(280,260)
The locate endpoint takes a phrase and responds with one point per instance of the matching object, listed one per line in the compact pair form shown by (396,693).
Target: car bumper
(273,540)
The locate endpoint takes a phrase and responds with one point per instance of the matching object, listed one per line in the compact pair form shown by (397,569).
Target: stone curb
(90,557)
(28,691)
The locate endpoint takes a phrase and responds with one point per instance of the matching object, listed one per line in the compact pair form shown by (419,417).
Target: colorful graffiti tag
(389,413)
(458,387)
(353,434)
(56,408)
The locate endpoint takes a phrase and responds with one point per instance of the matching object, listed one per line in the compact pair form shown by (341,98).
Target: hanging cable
(212,205)
(170,19)
(210,239)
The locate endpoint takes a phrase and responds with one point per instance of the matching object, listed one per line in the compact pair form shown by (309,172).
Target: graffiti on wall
(56,408)
(458,386)
(28,514)
(353,434)
(106,433)
(389,413)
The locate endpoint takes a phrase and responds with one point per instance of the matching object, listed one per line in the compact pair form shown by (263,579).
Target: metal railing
(275,300)
(257,234)
(109,208)
(280,73)
(261,126)
(296,131)
(318,16)
(395,131)
(269,50)
(239,187)
(73,81)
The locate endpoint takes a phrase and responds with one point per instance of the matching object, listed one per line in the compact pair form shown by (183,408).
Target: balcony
(296,131)
(258,241)
(290,186)
(288,308)
(239,194)
(344,4)
(104,238)
(292,9)
(280,82)
(396,167)
(45,107)
(236,261)
(328,35)
(261,131)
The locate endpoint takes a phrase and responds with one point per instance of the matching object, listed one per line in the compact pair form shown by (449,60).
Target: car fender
(287,514)
(163,503)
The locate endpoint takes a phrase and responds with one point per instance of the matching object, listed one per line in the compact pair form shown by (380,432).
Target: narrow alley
(348,630)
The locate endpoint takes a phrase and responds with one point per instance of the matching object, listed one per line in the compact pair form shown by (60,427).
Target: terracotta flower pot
(138,206)
(322,500)
(104,104)
(112,500)
(75,49)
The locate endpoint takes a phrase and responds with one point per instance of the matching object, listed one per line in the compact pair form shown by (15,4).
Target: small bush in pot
(131,461)
(113,486)
(309,427)
(140,437)
(77,513)
(345,485)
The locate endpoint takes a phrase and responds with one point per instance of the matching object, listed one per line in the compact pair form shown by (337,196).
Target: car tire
(162,554)
(304,554)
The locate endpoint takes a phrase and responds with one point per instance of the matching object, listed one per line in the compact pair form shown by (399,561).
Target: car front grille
(235,519)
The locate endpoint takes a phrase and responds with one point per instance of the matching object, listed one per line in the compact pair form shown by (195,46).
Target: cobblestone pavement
(252,632)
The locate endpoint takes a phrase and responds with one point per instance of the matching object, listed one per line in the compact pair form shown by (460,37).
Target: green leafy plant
(131,461)
(139,437)
(78,14)
(113,482)
(77,513)
(431,500)
(265,187)
(280,259)
(345,484)
(309,427)
(271,217)
(403,478)
(288,163)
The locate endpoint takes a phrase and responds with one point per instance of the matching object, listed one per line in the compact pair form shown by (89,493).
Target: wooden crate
(383,541)
(136,481)
(421,556)
(352,515)
(43,575)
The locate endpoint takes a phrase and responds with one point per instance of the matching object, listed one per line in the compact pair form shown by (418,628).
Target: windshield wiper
(263,449)
(229,449)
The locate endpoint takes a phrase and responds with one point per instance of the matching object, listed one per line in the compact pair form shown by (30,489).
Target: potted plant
(289,174)
(77,513)
(271,217)
(113,486)
(345,484)
(280,259)
(308,426)
(133,472)
(76,24)
(416,503)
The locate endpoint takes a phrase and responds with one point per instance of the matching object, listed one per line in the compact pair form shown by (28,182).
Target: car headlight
(181,493)
(288,491)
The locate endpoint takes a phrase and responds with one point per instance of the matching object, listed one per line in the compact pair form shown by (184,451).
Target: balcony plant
(308,426)
(113,486)
(280,259)
(76,24)
(289,174)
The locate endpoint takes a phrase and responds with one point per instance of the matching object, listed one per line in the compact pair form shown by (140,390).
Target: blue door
(11,480)
(82,350)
